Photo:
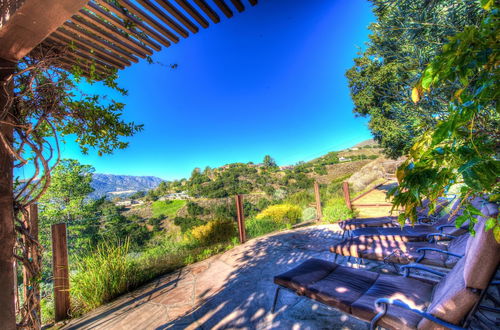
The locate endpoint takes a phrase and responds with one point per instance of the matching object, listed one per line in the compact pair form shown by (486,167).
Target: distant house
(128,203)
(124,203)
(172,196)
(343,159)
(286,167)
(354,149)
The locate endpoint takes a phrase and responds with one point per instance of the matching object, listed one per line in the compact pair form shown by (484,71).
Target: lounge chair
(402,302)
(396,252)
(392,221)
(444,228)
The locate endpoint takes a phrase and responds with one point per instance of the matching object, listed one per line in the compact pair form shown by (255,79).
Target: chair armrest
(385,302)
(407,268)
(435,250)
(430,217)
(431,237)
(440,228)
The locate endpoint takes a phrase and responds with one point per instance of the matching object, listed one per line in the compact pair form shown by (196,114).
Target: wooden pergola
(103,35)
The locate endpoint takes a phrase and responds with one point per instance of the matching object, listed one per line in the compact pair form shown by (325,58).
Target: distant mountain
(121,185)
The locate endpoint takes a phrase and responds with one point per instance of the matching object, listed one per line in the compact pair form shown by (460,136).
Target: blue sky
(269,80)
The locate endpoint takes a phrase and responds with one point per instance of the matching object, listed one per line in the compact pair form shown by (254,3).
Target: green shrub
(309,214)
(336,210)
(187,223)
(215,231)
(263,203)
(258,227)
(194,209)
(282,213)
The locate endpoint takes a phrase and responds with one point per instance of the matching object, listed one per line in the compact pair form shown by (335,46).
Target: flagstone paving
(231,290)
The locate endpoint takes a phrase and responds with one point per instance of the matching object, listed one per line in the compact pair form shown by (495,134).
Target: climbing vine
(48,105)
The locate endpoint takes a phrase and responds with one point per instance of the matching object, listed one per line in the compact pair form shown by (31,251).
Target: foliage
(309,214)
(187,223)
(66,200)
(194,209)
(215,231)
(336,210)
(406,36)
(301,198)
(116,227)
(463,147)
(256,227)
(167,208)
(155,222)
(138,194)
(282,213)
(269,162)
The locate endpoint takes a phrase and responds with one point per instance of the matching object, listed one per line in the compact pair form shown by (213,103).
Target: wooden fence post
(31,285)
(61,271)
(319,212)
(241,218)
(347,196)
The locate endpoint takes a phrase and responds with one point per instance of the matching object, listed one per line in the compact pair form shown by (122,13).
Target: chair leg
(275,299)
(335,258)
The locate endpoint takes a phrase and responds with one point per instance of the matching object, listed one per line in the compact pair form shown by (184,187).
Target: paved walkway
(231,290)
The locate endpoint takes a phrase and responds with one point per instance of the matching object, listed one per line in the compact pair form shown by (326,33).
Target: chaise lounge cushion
(405,234)
(309,272)
(402,252)
(342,287)
(353,224)
(355,290)
(411,291)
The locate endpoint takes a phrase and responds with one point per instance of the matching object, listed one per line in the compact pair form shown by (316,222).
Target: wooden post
(241,218)
(31,284)
(319,212)
(347,195)
(7,232)
(61,271)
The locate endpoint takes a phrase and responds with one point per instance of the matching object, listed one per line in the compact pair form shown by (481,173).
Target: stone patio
(231,290)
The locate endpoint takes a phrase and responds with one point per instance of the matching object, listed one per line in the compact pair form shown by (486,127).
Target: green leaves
(462,148)
(388,81)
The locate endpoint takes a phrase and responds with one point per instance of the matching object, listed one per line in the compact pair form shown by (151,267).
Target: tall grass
(258,227)
(113,270)
(99,277)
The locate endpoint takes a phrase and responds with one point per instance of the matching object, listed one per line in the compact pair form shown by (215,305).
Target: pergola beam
(208,10)
(27,28)
(193,12)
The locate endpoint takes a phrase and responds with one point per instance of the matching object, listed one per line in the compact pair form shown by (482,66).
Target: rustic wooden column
(347,195)
(7,232)
(61,271)
(241,218)
(319,212)
(31,285)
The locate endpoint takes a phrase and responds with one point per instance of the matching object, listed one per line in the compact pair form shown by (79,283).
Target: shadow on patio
(231,290)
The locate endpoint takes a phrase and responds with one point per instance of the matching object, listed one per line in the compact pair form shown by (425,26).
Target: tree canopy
(462,149)
(406,36)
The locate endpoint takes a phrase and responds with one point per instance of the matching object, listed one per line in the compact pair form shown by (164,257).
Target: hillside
(121,185)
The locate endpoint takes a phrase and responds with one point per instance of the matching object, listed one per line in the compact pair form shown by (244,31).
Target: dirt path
(375,203)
